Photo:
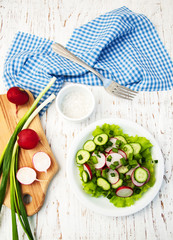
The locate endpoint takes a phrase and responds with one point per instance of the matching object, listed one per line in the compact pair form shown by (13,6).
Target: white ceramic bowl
(102,205)
(80,90)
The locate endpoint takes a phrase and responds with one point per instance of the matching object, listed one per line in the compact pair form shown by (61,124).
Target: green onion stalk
(9,166)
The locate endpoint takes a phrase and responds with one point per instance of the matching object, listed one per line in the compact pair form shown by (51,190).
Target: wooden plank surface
(63,216)
(8,120)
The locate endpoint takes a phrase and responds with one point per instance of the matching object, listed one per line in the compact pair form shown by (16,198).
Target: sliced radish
(123,154)
(135,182)
(87,168)
(124,191)
(101,160)
(26,175)
(115,158)
(113,176)
(41,161)
(131,170)
(113,140)
(148,174)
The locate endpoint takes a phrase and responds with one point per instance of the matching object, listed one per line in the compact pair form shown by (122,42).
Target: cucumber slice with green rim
(127,148)
(121,138)
(101,139)
(136,148)
(85,176)
(123,169)
(118,184)
(89,146)
(140,175)
(103,183)
(82,156)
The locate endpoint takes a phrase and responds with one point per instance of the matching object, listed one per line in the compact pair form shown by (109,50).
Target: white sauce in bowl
(76,104)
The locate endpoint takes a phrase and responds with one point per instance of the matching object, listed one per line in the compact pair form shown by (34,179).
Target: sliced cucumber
(123,169)
(136,148)
(89,146)
(140,175)
(82,156)
(118,184)
(101,139)
(85,176)
(127,148)
(121,138)
(103,183)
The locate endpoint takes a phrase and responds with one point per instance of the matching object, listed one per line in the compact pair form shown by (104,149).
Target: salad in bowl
(116,165)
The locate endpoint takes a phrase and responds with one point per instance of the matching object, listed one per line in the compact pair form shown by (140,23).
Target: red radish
(41,161)
(17,96)
(113,176)
(123,154)
(115,157)
(87,168)
(26,175)
(148,174)
(131,170)
(101,160)
(124,191)
(28,139)
(113,140)
(135,182)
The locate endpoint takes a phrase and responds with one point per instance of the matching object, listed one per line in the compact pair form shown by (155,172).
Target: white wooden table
(63,216)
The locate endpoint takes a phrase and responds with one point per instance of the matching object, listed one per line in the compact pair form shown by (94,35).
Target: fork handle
(62,51)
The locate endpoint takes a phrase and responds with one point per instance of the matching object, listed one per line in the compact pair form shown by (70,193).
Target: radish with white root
(41,161)
(26,175)
(124,191)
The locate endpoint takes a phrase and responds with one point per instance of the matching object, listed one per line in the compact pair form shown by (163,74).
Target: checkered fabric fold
(121,45)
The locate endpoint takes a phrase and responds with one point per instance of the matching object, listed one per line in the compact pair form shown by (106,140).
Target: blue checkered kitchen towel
(121,45)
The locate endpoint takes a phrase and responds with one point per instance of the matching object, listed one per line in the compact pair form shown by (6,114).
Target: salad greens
(142,159)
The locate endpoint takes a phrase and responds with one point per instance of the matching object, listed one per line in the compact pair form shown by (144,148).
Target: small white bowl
(75,102)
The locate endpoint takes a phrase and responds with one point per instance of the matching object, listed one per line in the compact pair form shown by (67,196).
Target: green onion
(109,158)
(94,159)
(137,190)
(121,176)
(80,157)
(114,150)
(109,143)
(116,163)
(112,166)
(133,162)
(123,161)
(111,132)
(8,163)
(112,174)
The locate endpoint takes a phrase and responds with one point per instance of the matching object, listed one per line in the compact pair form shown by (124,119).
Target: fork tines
(123,92)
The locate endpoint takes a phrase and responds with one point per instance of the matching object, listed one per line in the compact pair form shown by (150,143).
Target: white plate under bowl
(102,205)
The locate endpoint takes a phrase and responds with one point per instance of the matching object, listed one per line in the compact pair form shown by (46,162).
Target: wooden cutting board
(8,120)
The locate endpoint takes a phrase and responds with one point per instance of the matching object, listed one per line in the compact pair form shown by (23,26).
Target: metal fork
(110,86)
